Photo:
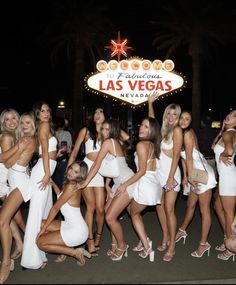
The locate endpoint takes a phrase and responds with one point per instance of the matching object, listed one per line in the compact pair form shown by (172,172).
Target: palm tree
(201,26)
(78,29)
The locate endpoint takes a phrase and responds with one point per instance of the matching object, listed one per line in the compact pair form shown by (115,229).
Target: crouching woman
(62,237)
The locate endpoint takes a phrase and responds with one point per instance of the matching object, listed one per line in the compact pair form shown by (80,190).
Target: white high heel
(181,234)
(150,252)
(139,247)
(207,249)
(124,252)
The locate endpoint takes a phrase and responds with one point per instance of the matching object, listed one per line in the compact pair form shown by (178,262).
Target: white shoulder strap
(113,146)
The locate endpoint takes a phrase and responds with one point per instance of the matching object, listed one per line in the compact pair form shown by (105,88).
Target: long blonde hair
(4,128)
(166,129)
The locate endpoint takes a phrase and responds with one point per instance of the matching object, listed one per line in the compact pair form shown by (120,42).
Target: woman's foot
(5,270)
(119,253)
(112,249)
(220,247)
(139,247)
(16,254)
(181,234)
(168,256)
(80,253)
(225,255)
(163,246)
(203,247)
(97,240)
(90,247)
(60,258)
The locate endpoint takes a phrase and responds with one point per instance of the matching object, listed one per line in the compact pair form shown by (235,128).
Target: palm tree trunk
(77,93)
(196,90)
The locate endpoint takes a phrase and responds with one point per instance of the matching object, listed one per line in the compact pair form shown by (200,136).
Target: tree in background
(201,26)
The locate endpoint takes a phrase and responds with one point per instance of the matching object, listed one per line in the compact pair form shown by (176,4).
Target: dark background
(27,74)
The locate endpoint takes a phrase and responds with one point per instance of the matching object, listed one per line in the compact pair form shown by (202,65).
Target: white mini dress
(227,174)
(74,230)
(148,190)
(198,162)
(165,165)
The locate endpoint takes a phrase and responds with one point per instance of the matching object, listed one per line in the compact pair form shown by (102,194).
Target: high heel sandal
(207,249)
(220,247)
(168,256)
(4,274)
(97,240)
(79,255)
(163,246)
(88,248)
(16,254)
(60,258)
(111,250)
(139,246)
(181,234)
(225,255)
(145,253)
(124,252)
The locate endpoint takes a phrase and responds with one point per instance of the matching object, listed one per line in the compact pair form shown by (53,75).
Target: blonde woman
(18,178)
(9,120)
(61,237)
(170,175)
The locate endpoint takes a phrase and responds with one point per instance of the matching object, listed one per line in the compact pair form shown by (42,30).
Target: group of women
(156,182)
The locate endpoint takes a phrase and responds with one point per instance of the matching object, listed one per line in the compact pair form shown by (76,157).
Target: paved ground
(135,270)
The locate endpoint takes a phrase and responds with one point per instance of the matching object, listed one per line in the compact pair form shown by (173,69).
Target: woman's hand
(152,97)
(121,189)
(80,185)
(227,160)
(43,230)
(44,183)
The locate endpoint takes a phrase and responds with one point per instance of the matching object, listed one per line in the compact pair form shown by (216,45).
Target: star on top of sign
(118,47)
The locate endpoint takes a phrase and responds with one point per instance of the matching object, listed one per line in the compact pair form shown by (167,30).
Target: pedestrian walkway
(134,270)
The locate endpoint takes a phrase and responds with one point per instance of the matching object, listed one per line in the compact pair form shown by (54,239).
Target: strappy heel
(139,247)
(5,272)
(145,253)
(207,249)
(168,256)
(111,250)
(97,240)
(124,252)
(88,248)
(60,258)
(163,246)
(225,255)
(79,255)
(220,247)
(181,234)
(16,254)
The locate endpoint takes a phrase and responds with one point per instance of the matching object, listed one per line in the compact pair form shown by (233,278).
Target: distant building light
(61,104)
(209,109)
(216,124)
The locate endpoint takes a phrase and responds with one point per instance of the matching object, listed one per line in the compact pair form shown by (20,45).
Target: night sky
(26,69)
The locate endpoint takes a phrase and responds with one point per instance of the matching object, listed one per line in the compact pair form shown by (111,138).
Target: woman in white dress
(148,190)
(170,175)
(94,194)
(225,150)
(41,198)
(202,193)
(112,146)
(18,178)
(61,237)
(9,121)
